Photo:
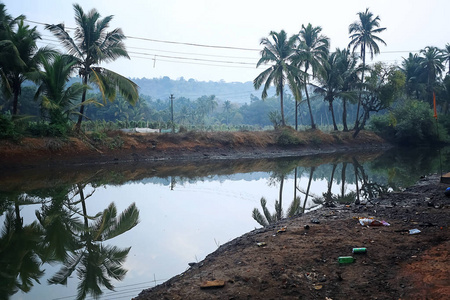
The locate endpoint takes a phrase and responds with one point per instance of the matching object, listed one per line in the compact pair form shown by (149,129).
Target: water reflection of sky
(177,226)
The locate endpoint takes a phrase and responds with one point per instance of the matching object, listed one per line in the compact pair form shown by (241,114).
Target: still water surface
(186,211)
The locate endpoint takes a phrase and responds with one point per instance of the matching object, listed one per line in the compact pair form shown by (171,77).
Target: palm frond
(128,219)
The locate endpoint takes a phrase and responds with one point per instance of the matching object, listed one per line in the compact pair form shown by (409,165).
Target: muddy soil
(302,261)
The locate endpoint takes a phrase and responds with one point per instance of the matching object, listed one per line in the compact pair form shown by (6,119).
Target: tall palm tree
(311,54)
(432,64)
(93,45)
(363,34)
(278,51)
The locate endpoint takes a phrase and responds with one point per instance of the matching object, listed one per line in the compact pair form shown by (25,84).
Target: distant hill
(162,88)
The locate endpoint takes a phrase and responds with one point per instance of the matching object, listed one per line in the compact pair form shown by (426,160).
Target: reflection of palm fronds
(347,198)
(294,209)
(268,218)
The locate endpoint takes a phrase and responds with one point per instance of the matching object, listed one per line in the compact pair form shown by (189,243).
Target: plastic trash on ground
(414,231)
(346,259)
(282,229)
(373,222)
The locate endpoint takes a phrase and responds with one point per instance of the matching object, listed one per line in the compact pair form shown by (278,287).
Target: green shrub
(409,122)
(8,129)
(288,138)
(45,129)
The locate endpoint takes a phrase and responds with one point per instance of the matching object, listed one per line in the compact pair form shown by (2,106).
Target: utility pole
(171,108)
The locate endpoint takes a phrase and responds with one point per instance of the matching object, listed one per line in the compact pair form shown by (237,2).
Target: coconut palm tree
(278,51)
(363,34)
(57,98)
(93,45)
(311,55)
(347,64)
(26,58)
(414,75)
(432,64)
(446,51)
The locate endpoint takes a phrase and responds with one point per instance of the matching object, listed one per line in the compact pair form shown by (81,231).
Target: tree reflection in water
(365,190)
(63,234)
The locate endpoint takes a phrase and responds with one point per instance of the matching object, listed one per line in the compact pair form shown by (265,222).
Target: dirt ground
(302,261)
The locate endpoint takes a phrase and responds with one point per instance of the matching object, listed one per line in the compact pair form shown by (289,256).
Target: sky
(209,40)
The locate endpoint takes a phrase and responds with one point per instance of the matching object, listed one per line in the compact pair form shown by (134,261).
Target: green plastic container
(359,250)
(346,259)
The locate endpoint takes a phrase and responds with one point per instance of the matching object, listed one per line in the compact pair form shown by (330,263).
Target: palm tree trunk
(283,123)
(344,114)
(332,116)
(16,90)
(363,51)
(313,125)
(83,98)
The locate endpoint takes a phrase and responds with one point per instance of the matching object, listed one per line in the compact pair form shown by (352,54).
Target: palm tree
(227,110)
(57,98)
(363,34)
(432,64)
(332,81)
(279,53)
(414,75)
(22,43)
(93,45)
(349,74)
(446,51)
(311,54)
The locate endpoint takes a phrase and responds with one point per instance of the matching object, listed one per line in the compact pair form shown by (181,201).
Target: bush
(8,129)
(409,122)
(44,129)
(288,138)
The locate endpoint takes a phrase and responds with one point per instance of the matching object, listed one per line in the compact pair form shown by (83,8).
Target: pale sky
(411,25)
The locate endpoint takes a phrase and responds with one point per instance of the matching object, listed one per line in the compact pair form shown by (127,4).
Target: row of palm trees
(305,56)
(91,46)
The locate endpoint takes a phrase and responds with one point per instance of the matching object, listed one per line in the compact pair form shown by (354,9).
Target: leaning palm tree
(363,34)
(311,54)
(278,52)
(93,45)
